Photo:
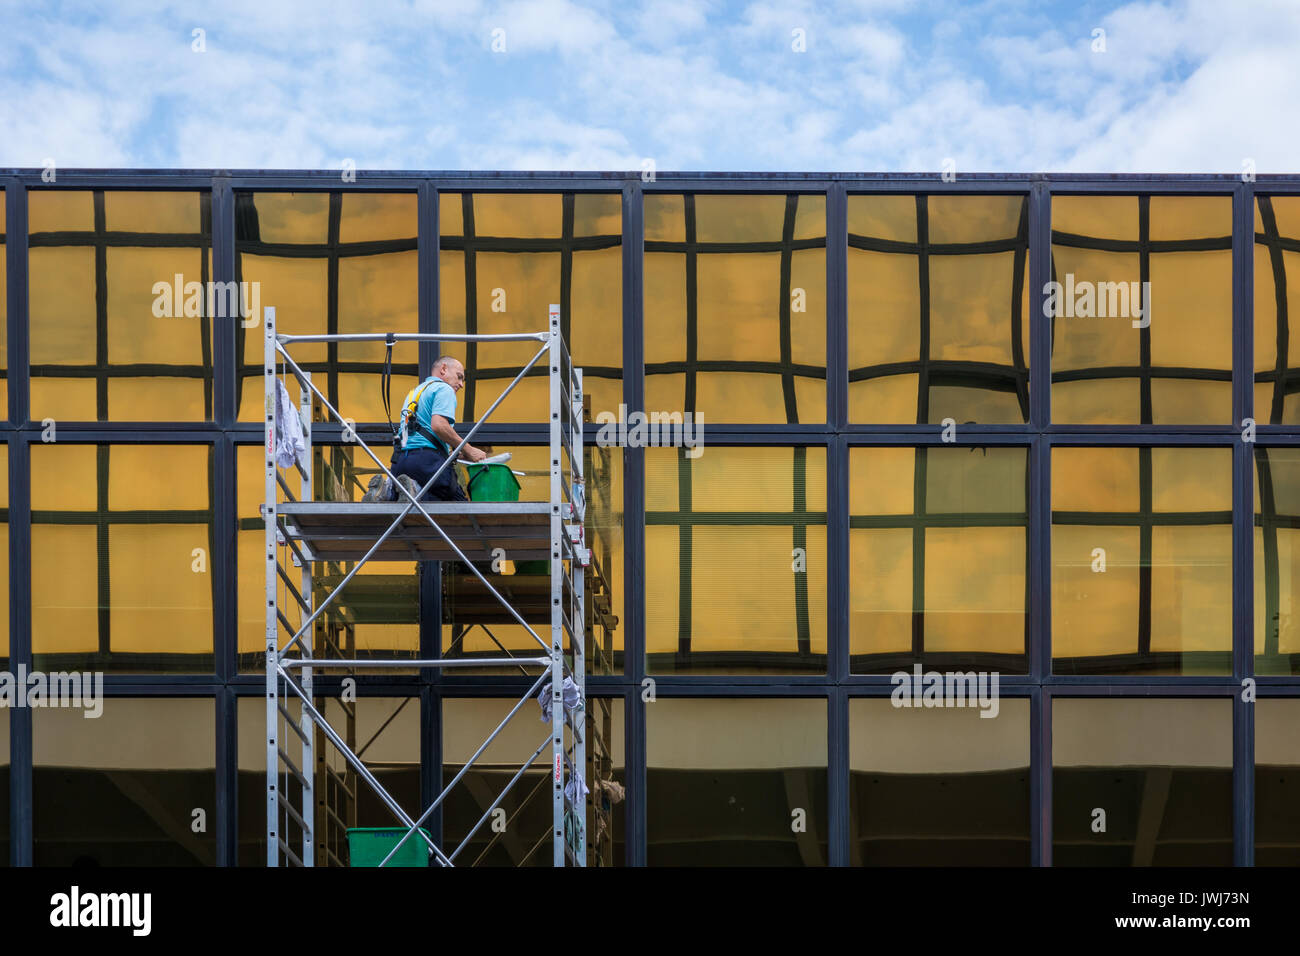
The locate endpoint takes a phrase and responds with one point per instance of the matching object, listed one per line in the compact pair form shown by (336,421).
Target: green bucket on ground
(367,846)
(492,483)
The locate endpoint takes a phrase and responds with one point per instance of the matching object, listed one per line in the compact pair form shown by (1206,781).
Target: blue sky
(896,85)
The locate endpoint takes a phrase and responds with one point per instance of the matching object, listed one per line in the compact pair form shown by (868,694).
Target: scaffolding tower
(311,531)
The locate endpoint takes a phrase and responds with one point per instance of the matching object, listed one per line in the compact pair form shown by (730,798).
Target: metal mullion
(1243,528)
(224,358)
(634,662)
(20,647)
(1040,776)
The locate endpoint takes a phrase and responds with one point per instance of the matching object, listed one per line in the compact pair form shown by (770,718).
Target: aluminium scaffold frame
(553,529)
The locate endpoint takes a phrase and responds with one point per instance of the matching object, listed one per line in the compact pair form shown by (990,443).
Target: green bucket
(367,846)
(492,483)
(498,483)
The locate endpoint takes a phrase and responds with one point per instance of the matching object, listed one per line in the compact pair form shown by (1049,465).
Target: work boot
(409,484)
(375,490)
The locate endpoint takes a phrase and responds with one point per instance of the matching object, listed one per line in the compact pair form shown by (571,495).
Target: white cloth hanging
(572,697)
(290,444)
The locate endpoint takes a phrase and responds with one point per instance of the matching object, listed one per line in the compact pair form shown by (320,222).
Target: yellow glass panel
(299,291)
(747,579)
(1096,479)
(890,400)
(975,590)
(59,210)
(973,405)
(522,216)
(1089,341)
(760,616)
(974,218)
(65,601)
(1175,402)
(881,481)
(1266,314)
(135,333)
(810,218)
(130,211)
(880,590)
(665,392)
(1191,479)
(966,481)
(376,294)
(1103,217)
(753,478)
(1191,588)
(882,217)
(665,218)
(451,215)
(1095,585)
(62,291)
(63,477)
(808,324)
(884,302)
(156,477)
(1194,289)
(375,217)
(740,218)
(293,218)
(970,307)
(160,604)
(598,214)
(665,309)
(1190,217)
(1100,402)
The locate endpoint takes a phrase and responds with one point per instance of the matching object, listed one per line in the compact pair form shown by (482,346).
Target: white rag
(572,697)
(290,445)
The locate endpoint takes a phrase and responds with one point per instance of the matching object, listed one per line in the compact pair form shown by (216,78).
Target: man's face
(453,373)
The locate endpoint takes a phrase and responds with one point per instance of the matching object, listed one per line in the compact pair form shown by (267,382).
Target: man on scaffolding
(425,437)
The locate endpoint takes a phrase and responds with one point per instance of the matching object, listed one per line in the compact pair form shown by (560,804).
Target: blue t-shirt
(436,398)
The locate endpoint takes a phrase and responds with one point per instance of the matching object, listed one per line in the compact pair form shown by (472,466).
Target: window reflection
(1142,560)
(126,788)
(940,787)
(112,337)
(339,262)
(1159,770)
(736,782)
(1277,774)
(383,731)
(123,572)
(1277,275)
(526,837)
(736,560)
(1277,560)
(735,307)
(1111,361)
(503,261)
(937,556)
(938,309)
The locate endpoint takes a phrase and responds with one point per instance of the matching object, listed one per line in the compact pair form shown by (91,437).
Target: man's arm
(442,428)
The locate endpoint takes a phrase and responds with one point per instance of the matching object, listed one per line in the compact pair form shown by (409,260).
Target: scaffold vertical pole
(578,617)
(272,624)
(308,764)
(555,361)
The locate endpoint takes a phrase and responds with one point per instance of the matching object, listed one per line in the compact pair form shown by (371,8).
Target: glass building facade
(1039,427)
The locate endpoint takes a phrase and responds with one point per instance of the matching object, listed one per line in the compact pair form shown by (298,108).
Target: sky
(1191,86)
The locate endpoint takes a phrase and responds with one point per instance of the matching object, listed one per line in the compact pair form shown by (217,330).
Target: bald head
(450,371)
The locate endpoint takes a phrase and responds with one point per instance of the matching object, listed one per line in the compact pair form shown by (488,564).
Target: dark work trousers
(420,464)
